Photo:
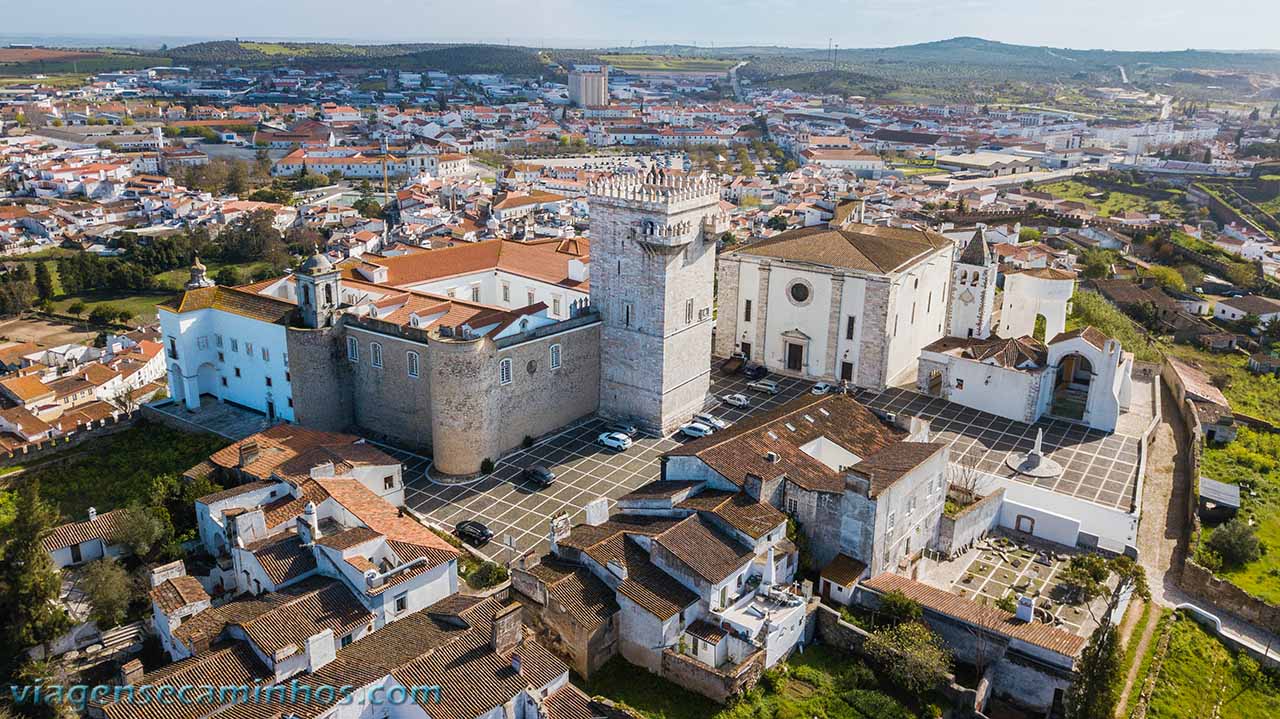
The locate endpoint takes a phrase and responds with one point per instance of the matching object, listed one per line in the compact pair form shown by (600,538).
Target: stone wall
(101,428)
(320,379)
(728,305)
(715,684)
(385,401)
(956,534)
(873,350)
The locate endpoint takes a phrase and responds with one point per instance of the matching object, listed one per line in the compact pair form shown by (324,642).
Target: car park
(539,475)
(615,440)
(695,429)
(754,371)
(710,420)
(764,385)
(623,427)
(821,388)
(736,400)
(473,532)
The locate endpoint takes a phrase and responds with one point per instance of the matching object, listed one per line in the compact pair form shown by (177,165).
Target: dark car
(754,371)
(473,532)
(539,475)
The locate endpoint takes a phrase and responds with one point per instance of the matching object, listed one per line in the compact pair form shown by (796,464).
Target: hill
(453,58)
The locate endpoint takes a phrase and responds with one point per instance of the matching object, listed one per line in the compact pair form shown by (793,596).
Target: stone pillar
(761,316)
(728,306)
(835,329)
(191,391)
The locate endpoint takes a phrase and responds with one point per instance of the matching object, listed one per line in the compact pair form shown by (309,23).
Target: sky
(1083,24)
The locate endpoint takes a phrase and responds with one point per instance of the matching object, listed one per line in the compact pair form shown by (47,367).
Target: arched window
(375,354)
(504,372)
(974,279)
(555,356)
(353,349)
(306,294)
(411,359)
(328,295)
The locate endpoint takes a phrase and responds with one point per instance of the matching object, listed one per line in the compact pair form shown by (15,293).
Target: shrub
(109,589)
(486,467)
(897,608)
(1236,543)
(527,442)
(1007,603)
(488,574)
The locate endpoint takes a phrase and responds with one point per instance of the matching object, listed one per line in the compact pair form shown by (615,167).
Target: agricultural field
(1109,203)
(1202,677)
(141,306)
(666,63)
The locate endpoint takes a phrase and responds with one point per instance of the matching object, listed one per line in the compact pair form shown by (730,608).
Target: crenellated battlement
(655,190)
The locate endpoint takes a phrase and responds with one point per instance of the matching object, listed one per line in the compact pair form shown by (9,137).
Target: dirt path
(1144,642)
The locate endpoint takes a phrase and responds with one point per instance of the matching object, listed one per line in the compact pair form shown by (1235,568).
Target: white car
(710,421)
(764,385)
(821,388)
(695,429)
(736,400)
(615,440)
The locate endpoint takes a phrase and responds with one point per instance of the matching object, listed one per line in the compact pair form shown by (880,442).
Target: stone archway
(1072,386)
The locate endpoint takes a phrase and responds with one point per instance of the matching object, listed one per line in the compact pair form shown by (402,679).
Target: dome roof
(317,263)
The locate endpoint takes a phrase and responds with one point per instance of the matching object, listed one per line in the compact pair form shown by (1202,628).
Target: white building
(589,85)
(853,304)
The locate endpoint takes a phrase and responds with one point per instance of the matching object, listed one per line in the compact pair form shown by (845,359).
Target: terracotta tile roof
(27,388)
(1010,353)
(870,248)
(545,260)
(584,536)
(230,665)
(348,538)
(24,420)
(283,557)
(843,570)
(107,527)
(741,450)
(234,300)
(1090,334)
(706,631)
(652,589)
(969,611)
(579,592)
(1252,304)
(1044,273)
(889,465)
(738,510)
(568,702)
(660,489)
(280,619)
(178,592)
(289,507)
(706,551)
(237,490)
(277,445)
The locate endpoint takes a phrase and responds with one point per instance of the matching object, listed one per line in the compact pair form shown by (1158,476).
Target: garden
(1238,550)
(1200,676)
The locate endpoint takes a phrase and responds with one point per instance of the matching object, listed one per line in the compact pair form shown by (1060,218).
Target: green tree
(367,208)
(1029,234)
(229,276)
(77,308)
(44,281)
(144,528)
(776,222)
(896,608)
(109,589)
(29,582)
(1167,277)
(1084,576)
(104,314)
(910,655)
(1100,671)
(1236,543)
(1097,263)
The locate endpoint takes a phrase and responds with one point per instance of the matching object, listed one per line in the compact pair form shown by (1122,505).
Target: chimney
(308,525)
(1026,609)
(507,629)
(772,457)
(248,453)
(93,513)
(130,672)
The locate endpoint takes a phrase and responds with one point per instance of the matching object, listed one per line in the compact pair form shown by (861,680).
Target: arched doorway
(207,381)
(1071,388)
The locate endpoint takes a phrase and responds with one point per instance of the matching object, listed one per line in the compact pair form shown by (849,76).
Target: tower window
(627,311)
(746,311)
(412,361)
(504,372)
(353,349)
(555,356)
(688,312)
(506,292)
(850,325)
(375,354)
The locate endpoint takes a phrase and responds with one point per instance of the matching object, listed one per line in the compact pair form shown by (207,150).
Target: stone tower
(973,289)
(653,247)
(318,291)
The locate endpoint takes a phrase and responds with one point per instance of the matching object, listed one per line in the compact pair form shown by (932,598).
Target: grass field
(1202,677)
(1256,395)
(1112,203)
(1091,309)
(175,279)
(667,63)
(143,306)
(1252,461)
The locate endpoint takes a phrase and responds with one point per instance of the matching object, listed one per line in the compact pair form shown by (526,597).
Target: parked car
(736,400)
(621,427)
(615,440)
(474,532)
(539,475)
(710,421)
(695,429)
(821,388)
(754,371)
(764,385)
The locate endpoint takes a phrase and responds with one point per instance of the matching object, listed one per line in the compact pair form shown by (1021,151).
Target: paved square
(1099,467)
(1004,566)
(510,505)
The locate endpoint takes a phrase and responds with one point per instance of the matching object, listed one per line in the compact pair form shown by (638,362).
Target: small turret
(199,276)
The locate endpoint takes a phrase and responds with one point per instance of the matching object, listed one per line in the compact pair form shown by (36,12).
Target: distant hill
(459,58)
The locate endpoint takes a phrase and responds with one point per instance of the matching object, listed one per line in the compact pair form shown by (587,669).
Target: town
(658,383)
